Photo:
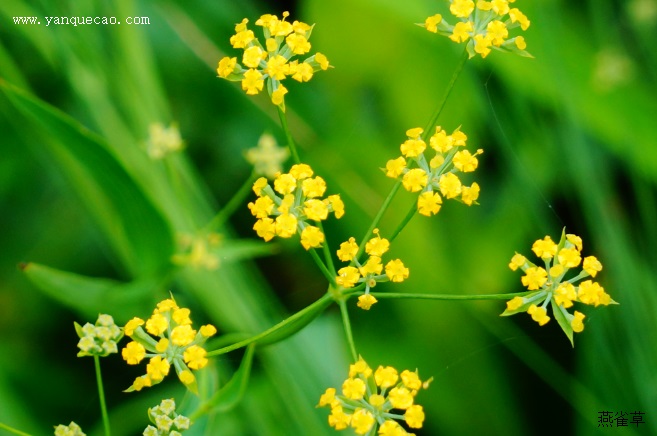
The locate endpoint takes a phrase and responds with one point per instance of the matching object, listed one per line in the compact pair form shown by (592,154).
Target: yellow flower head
(483,26)
(272,60)
(176,344)
(368,398)
(555,285)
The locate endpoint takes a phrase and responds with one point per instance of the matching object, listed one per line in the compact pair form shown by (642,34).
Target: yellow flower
(133,353)
(377,246)
(386,377)
(395,167)
(194,357)
(347,277)
(362,421)
(576,323)
(592,266)
(431,23)
(461,8)
(569,257)
(428,203)
(535,278)
(366,301)
(414,416)
(415,180)
(464,161)
(348,250)
(517,261)
(462,31)
(396,271)
(514,303)
(545,248)
(450,185)
(252,82)
(315,209)
(354,388)
(278,96)
(539,314)
(470,194)
(226,67)
(311,237)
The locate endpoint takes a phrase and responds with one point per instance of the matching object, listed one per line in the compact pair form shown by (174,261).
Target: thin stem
(318,305)
(101,394)
(327,251)
(450,86)
(384,295)
(347,328)
(13,430)
(406,220)
(328,274)
(377,218)
(233,204)
(288,135)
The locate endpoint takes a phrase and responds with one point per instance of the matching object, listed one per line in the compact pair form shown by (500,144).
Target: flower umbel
(371,271)
(267,157)
(163,140)
(369,398)
(98,339)
(167,422)
(553,288)
(69,430)
(273,61)
(435,177)
(295,201)
(483,26)
(178,345)
(197,251)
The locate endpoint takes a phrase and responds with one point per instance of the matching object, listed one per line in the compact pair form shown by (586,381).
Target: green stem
(318,306)
(377,218)
(101,394)
(327,252)
(288,135)
(406,220)
(328,274)
(347,328)
(13,430)
(450,86)
(383,295)
(233,204)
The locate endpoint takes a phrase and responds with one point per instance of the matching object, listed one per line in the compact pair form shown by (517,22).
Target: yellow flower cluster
(166,420)
(483,26)
(294,200)
(552,287)
(197,251)
(437,174)
(271,62)
(98,339)
(368,397)
(69,430)
(163,141)
(267,157)
(371,271)
(178,344)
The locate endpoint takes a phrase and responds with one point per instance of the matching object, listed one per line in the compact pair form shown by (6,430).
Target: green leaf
(232,392)
(560,315)
(128,218)
(90,295)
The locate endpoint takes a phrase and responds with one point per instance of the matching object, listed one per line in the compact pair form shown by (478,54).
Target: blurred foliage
(568,140)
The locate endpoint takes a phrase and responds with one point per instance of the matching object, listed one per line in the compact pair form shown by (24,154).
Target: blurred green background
(569,140)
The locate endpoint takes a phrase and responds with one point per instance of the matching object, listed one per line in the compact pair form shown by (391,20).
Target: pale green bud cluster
(167,421)
(98,339)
